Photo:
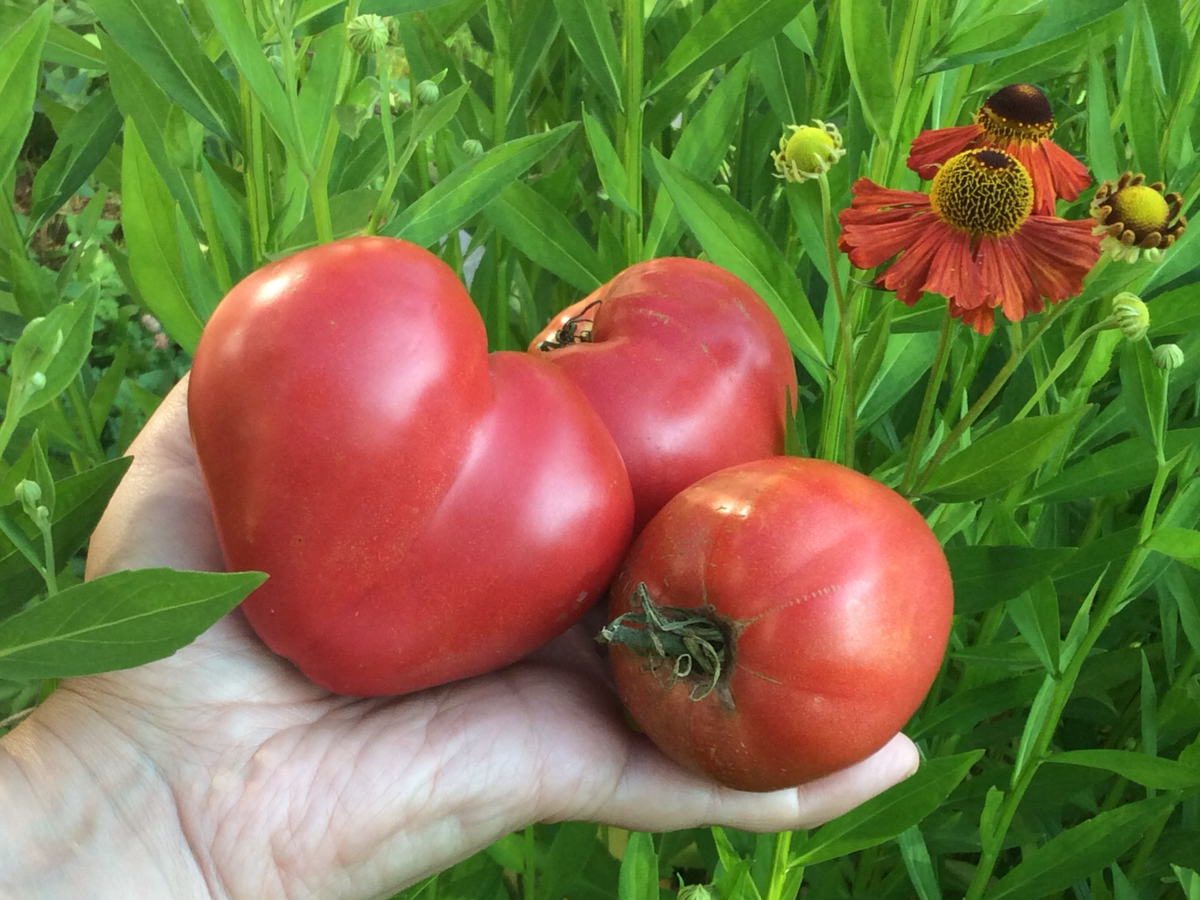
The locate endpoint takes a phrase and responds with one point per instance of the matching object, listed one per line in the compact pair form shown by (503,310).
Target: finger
(159,514)
(654,794)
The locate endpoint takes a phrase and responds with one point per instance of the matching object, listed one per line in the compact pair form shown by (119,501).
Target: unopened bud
(473,147)
(37,380)
(428,92)
(696,892)
(367,34)
(807,151)
(1131,315)
(27,491)
(1167,357)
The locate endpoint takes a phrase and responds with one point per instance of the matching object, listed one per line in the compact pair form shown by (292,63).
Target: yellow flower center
(1141,209)
(1019,112)
(808,151)
(986,193)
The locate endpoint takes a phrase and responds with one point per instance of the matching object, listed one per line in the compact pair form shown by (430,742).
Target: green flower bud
(27,491)
(367,34)
(472,147)
(696,892)
(807,151)
(428,92)
(1167,357)
(1131,315)
(37,380)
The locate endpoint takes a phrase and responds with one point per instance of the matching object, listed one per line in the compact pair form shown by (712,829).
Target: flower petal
(930,149)
(1057,254)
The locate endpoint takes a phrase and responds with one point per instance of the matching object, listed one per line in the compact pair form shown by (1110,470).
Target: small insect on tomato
(576,330)
(778,621)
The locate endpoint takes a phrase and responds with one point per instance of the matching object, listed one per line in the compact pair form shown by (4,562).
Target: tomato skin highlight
(687,367)
(425,511)
(838,601)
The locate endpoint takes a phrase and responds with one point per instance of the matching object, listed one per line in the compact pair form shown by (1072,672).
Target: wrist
(87,814)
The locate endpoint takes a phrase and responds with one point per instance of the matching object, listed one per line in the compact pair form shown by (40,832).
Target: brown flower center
(986,193)
(1019,112)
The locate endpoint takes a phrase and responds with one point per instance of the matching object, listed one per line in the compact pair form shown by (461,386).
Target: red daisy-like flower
(1016,119)
(972,239)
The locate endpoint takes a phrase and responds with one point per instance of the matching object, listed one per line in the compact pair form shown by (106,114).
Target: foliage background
(155,151)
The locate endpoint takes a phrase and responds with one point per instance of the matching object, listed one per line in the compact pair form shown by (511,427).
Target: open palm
(259,784)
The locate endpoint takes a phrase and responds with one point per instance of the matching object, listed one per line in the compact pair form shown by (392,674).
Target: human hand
(222,772)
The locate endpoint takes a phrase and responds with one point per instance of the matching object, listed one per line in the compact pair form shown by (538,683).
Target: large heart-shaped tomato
(425,511)
(687,367)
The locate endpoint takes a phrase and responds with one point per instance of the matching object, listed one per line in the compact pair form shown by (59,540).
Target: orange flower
(972,239)
(1017,120)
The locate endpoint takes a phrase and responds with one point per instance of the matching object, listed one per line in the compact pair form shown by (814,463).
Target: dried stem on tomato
(688,641)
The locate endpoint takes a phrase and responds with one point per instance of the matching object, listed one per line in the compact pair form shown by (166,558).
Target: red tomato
(827,599)
(687,367)
(425,511)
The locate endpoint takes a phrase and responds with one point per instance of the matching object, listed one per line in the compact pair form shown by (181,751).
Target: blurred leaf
(148,220)
(20,71)
(727,30)
(467,190)
(348,213)
(63,46)
(1000,459)
(1103,556)
(864,34)
(1176,312)
(431,119)
(79,502)
(590,30)
(50,352)
(1101,154)
(1075,853)
(890,813)
(534,28)
(780,67)
(608,165)
(1125,466)
(537,228)
(917,861)
(1143,389)
(964,710)
(736,242)
(318,93)
(198,274)
(81,147)
(156,35)
(1140,105)
(117,621)
(573,845)
(1035,613)
(639,869)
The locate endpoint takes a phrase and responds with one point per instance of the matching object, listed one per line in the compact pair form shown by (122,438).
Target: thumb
(159,514)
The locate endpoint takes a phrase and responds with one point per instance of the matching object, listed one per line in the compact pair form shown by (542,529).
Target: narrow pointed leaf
(590,30)
(20,67)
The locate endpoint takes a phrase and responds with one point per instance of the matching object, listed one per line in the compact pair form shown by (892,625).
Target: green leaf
(1075,853)
(905,359)
(79,501)
(1101,153)
(1141,104)
(890,813)
(985,576)
(917,861)
(1144,390)
(864,33)
(729,29)
(148,220)
(639,869)
(156,35)
(1002,458)
(608,165)
(431,119)
(63,46)
(734,240)
(80,148)
(20,70)
(467,190)
(537,228)
(535,26)
(141,99)
(348,213)
(318,93)
(572,847)
(198,274)
(117,621)
(1125,466)
(703,145)
(964,710)
(590,31)
(246,51)
(1035,613)
(1182,544)
(50,352)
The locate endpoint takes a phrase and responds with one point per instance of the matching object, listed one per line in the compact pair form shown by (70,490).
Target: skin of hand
(222,772)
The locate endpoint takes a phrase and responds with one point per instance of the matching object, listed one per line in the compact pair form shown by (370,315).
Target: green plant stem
(8,425)
(931,389)
(987,396)
(1066,684)
(779,866)
(632,48)
(282,18)
(255,176)
(845,360)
